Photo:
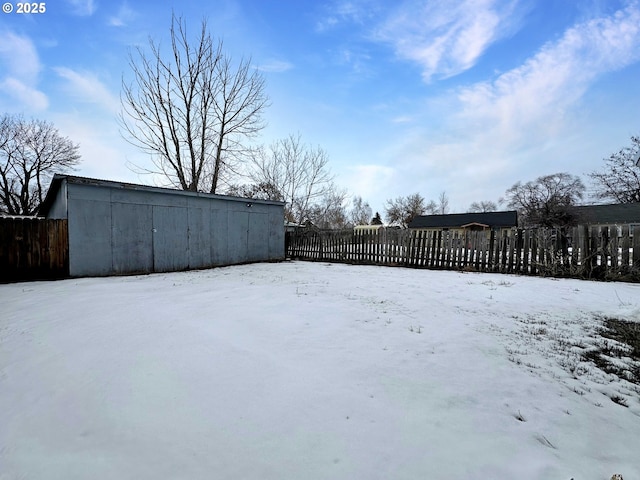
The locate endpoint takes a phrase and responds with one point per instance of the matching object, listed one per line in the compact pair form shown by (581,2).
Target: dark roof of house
(617,213)
(57,180)
(454,220)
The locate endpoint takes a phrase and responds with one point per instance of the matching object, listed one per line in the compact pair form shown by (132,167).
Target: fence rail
(33,248)
(604,252)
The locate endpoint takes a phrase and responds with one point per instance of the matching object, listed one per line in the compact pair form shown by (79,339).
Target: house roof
(458,220)
(617,213)
(57,180)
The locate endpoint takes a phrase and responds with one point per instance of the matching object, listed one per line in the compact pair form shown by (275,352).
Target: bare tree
(483,207)
(30,153)
(299,172)
(403,209)
(546,201)
(620,179)
(360,211)
(330,212)
(262,191)
(192,110)
(443,204)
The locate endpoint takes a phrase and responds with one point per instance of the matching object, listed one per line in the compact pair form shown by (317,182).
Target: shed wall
(119,231)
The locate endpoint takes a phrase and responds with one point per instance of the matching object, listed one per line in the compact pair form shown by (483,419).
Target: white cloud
(22,67)
(87,87)
(105,154)
(27,97)
(123,17)
(447,38)
(556,77)
(340,12)
(83,8)
(524,123)
(368,180)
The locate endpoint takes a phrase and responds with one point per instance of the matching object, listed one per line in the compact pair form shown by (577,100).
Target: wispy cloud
(88,88)
(447,38)
(123,17)
(340,12)
(275,66)
(83,8)
(22,67)
(515,126)
(558,75)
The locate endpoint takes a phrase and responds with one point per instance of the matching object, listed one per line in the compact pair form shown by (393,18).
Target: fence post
(636,248)
(625,244)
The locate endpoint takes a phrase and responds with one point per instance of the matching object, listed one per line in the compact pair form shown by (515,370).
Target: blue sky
(465,96)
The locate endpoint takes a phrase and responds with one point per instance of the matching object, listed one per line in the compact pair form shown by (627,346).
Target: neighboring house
(362,229)
(618,214)
(122,228)
(457,224)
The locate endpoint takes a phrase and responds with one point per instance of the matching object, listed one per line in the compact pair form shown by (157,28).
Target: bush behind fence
(602,252)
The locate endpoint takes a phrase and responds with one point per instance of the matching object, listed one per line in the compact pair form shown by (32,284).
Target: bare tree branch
(299,172)
(193,109)
(30,153)
(620,179)
(547,200)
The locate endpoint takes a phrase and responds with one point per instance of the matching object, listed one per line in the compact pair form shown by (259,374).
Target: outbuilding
(122,228)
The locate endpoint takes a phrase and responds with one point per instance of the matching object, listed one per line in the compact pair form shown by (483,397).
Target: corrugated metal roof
(453,220)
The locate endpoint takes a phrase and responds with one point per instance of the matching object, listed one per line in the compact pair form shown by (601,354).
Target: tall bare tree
(192,110)
(483,207)
(330,212)
(30,153)
(360,211)
(298,172)
(443,204)
(620,179)
(546,201)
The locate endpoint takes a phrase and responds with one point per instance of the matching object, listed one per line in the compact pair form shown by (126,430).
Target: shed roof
(616,213)
(458,220)
(57,180)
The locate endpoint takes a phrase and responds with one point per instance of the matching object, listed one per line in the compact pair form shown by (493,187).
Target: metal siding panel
(258,237)
(199,237)
(237,240)
(89,237)
(170,239)
(88,192)
(219,237)
(132,238)
(148,198)
(276,233)
(59,207)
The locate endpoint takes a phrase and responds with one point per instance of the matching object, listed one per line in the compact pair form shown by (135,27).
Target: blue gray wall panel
(116,230)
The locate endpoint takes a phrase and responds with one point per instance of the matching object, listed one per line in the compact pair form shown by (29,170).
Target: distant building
(458,224)
(618,214)
(362,229)
(122,228)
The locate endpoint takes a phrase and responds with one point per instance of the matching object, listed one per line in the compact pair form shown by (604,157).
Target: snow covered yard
(315,371)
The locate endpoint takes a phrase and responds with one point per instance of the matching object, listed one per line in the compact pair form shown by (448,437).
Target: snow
(315,371)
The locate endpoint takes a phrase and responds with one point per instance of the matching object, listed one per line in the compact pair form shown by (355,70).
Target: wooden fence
(33,248)
(603,252)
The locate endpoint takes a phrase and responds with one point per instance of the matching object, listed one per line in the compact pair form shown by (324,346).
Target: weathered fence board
(605,252)
(33,248)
